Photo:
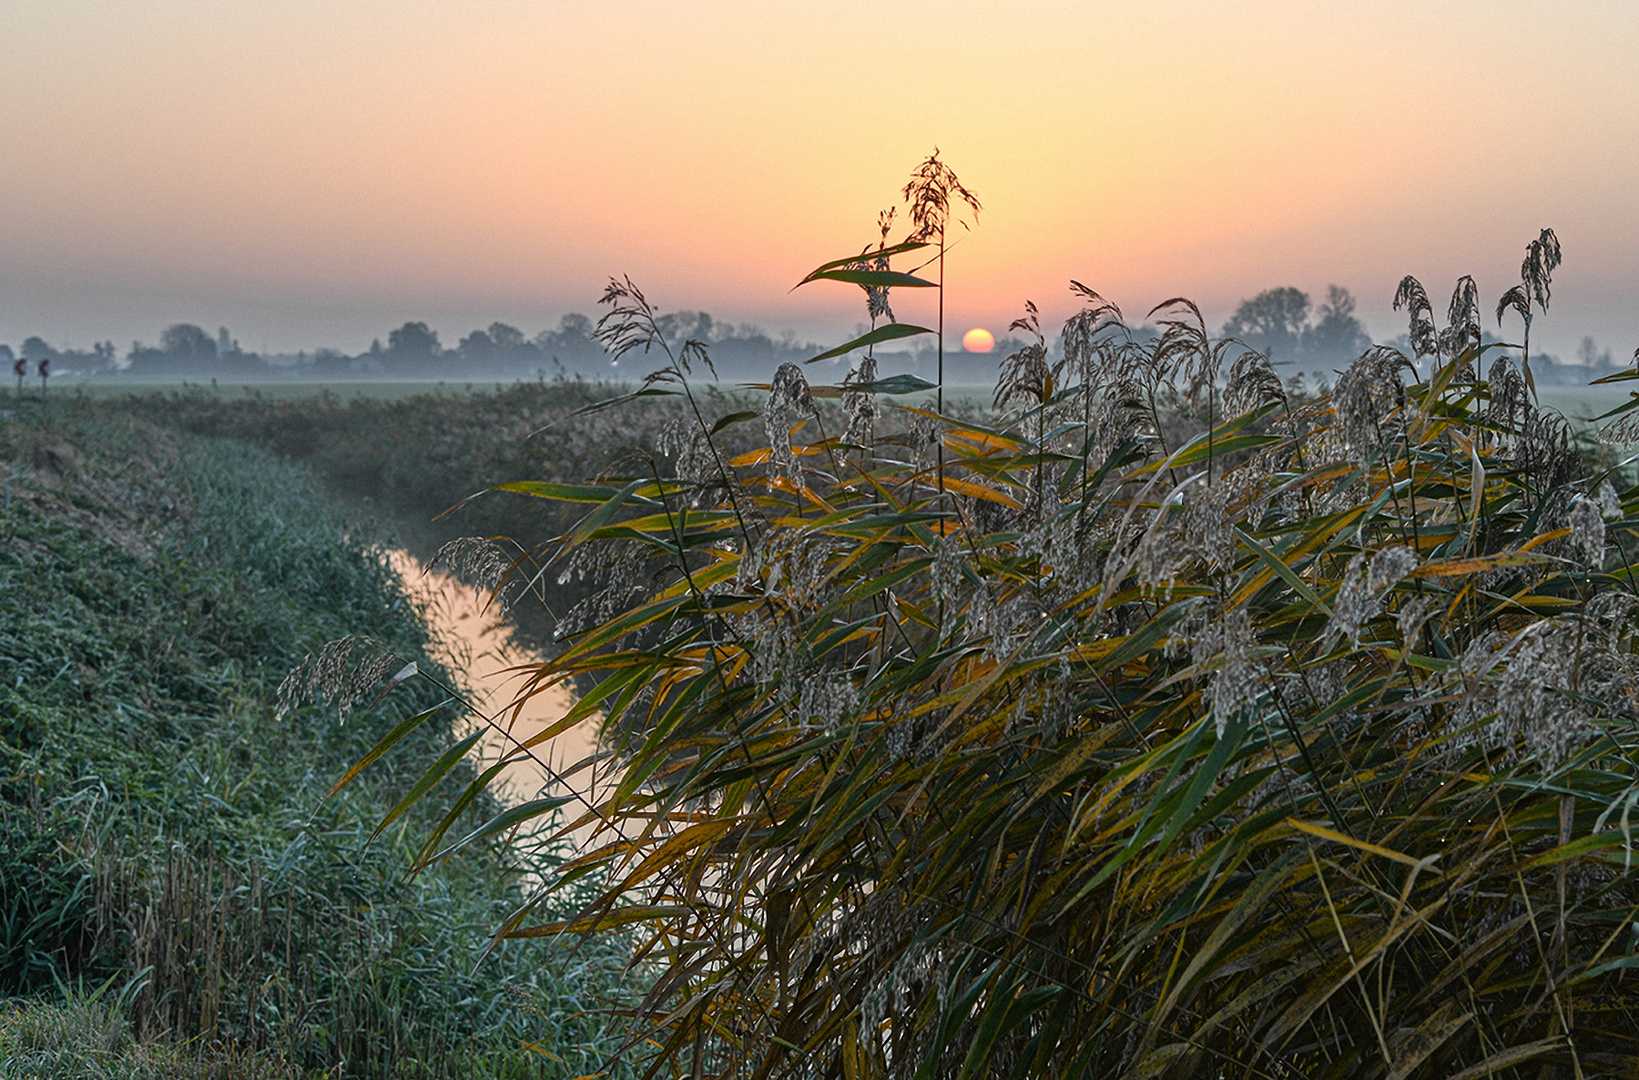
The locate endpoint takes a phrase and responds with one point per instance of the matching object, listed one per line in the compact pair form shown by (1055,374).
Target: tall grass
(1298,740)
(162,827)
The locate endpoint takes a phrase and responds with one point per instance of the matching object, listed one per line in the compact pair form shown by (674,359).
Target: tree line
(1282,323)
(413,350)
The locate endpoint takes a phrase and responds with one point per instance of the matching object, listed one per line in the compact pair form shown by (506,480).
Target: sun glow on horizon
(978,340)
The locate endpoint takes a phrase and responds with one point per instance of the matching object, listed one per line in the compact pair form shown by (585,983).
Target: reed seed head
(1414,298)
(478,560)
(1542,258)
(932,189)
(1587,539)
(1462,332)
(1610,505)
(1366,396)
(1237,681)
(861,407)
(1252,383)
(332,673)
(788,396)
(1365,582)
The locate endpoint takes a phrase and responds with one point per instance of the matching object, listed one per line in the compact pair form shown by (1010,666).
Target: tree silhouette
(413,341)
(1271,322)
(185,341)
(1338,337)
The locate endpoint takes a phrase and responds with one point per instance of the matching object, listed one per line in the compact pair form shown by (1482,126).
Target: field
(373,389)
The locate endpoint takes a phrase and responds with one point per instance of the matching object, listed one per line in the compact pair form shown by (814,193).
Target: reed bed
(1167,724)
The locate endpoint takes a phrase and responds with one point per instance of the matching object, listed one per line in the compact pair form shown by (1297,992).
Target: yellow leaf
(1363,845)
(979,491)
(1478,564)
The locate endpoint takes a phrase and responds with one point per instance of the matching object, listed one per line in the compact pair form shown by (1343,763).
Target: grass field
(379,390)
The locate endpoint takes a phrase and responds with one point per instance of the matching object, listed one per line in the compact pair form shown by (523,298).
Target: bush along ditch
(166,833)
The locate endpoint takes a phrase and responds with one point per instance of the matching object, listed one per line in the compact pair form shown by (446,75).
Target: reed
(1169,723)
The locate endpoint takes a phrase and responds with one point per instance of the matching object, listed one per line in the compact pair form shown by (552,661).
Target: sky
(313,174)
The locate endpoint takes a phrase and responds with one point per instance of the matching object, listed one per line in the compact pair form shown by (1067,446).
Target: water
(477,646)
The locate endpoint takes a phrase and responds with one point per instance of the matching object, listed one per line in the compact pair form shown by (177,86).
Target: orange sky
(316,173)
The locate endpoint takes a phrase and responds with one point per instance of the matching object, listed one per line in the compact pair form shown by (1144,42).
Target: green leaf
(429,779)
(865,256)
(608,403)
(896,384)
(388,741)
(890,332)
(878,278)
(505,820)
(1286,573)
(546,489)
(468,796)
(734,418)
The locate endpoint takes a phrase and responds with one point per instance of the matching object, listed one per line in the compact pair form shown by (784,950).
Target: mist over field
(1316,340)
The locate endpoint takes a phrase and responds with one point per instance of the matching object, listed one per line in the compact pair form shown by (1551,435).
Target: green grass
(163,828)
(87,1036)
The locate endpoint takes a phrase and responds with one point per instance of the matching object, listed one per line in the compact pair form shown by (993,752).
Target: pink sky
(315,173)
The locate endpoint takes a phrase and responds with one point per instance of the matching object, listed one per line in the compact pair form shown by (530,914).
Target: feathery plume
(1252,383)
(788,396)
(860,406)
(1462,332)
(1365,396)
(333,673)
(1026,374)
(1610,505)
(1542,258)
(1587,539)
(1365,582)
(1237,682)
(1414,298)
(932,188)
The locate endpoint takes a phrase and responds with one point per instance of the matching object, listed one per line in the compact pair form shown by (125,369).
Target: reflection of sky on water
(475,644)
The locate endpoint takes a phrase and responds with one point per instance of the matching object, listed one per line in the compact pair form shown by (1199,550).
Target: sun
(978,340)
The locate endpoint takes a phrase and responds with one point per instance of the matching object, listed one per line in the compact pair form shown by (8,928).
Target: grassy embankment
(165,837)
(397,461)
(409,451)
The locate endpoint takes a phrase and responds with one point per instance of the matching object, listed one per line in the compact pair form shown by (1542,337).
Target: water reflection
(477,646)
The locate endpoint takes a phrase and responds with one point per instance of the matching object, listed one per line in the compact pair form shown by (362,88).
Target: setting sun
(978,340)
